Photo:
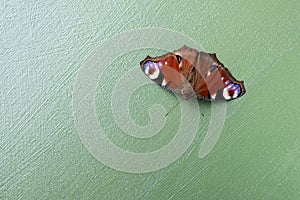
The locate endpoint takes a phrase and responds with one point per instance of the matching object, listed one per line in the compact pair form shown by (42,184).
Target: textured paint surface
(44,43)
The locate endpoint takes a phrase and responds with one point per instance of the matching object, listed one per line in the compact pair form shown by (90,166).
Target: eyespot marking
(151,69)
(178,58)
(231,91)
(211,68)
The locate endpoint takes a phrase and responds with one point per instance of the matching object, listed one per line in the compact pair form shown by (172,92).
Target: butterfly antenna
(171,109)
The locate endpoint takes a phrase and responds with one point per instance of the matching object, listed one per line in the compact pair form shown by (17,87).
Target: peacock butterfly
(192,73)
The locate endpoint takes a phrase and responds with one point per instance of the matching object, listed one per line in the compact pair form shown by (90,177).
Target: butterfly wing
(165,71)
(208,76)
(191,73)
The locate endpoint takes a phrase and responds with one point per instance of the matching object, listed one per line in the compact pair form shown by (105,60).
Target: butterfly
(191,73)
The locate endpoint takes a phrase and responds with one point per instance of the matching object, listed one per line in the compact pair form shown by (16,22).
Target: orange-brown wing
(208,76)
(191,73)
(165,71)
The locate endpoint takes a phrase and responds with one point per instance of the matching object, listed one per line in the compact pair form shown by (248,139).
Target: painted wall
(43,46)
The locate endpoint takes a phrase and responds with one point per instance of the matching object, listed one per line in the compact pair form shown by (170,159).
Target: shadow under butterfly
(191,73)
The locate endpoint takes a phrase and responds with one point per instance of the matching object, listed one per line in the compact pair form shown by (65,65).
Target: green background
(43,45)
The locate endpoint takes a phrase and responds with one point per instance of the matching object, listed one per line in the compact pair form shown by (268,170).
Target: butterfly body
(192,73)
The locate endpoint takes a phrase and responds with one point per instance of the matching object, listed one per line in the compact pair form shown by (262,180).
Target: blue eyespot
(178,58)
(238,89)
(232,91)
(213,67)
(148,64)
